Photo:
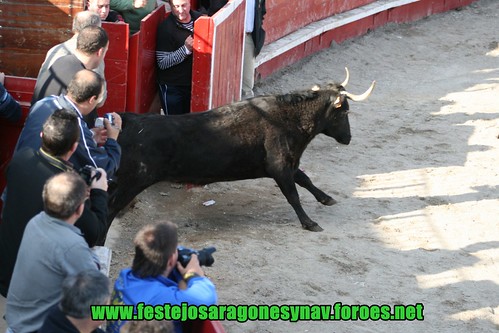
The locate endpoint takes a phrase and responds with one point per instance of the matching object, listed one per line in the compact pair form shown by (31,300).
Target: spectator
(26,175)
(82,96)
(255,38)
(9,107)
(210,7)
(51,249)
(102,8)
(174,58)
(133,11)
(148,326)
(157,278)
(91,46)
(81,20)
(79,293)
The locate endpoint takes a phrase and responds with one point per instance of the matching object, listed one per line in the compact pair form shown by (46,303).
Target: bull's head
(339,128)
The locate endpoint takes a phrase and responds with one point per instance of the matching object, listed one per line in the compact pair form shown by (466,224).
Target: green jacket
(132,15)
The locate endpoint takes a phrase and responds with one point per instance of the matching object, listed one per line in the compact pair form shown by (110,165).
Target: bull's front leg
(302,179)
(287,185)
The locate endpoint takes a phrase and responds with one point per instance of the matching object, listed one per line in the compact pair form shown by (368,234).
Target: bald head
(63,194)
(85,19)
(84,85)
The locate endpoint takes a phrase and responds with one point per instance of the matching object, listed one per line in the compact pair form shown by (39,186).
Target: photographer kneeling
(157,277)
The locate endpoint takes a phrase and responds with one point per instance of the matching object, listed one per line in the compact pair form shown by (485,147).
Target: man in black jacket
(255,38)
(26,176)
(174,57)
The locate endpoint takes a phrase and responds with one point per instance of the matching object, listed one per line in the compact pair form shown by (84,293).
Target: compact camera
(99,122)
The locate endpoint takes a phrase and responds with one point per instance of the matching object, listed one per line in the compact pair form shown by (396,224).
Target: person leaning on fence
(174,58)
(26,175)
(9,107)
(51,249)
(73,313)
(157,278)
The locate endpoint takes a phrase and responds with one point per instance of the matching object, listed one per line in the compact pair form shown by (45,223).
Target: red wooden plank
(217,62)
(202,62)
(116,99)
(132,95)
(118,40)
(149,101)
(142,90)
(116,67)
(17,14)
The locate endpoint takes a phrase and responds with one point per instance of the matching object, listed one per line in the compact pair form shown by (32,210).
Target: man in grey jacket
(52,248)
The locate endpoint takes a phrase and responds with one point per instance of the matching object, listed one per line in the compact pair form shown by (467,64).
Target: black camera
(86,173)
(205,255)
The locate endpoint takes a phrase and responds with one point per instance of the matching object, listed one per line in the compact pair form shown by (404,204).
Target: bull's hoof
(329,201)
(313,227)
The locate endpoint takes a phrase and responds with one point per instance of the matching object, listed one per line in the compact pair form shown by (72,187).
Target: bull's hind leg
(288,188)
(302,179)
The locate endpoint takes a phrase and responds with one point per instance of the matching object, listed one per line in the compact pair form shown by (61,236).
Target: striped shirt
(169,59)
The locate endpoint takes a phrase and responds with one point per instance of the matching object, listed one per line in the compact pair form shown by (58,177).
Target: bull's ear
(337,102)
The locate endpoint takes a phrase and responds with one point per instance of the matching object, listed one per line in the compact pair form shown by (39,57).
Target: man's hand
(101,183)
(100,135)
(113,131)
(189,42)
(2,78)
(192,267)
(139,3)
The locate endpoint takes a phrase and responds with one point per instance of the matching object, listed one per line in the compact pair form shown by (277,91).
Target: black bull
(260,137)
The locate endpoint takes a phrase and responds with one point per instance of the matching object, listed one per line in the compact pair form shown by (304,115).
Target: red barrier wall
(274,58)
(218,54)
(284,17)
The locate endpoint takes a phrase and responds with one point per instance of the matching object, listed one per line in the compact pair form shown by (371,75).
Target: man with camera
(26,175)
(157,277)
(52,248)
(81,98)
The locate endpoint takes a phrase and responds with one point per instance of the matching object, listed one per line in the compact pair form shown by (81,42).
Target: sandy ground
(417,219)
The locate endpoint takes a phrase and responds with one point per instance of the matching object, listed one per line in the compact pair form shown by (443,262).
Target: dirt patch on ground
(417,189)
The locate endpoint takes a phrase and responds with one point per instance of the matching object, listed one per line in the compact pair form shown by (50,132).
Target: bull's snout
(345,139)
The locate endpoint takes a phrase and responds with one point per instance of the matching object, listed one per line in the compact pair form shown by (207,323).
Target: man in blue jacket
(83,94)
(157,278)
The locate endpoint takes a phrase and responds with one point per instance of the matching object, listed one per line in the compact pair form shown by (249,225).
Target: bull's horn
(358,98)
(344,83)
